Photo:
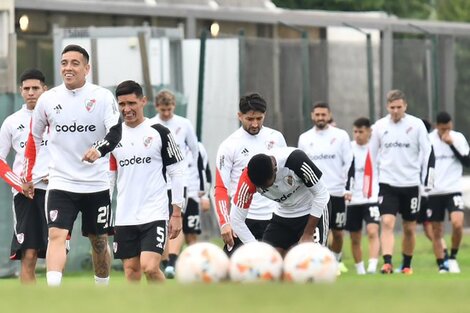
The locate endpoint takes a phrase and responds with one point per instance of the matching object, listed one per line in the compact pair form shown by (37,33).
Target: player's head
(443,123)
(252,111)
(321,114)
(262,170)
(131,102)
(396,104)
(32,85)
(74,66)
(165,104)
(361,130)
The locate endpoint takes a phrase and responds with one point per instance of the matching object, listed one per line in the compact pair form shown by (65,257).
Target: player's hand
(91,155)
(227,235)
(306,238)
(446,138)
(175,225)
(348,196)
(28,189)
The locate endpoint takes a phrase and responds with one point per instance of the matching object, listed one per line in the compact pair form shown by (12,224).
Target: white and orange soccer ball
(255,262)
(310,262)
(202,262)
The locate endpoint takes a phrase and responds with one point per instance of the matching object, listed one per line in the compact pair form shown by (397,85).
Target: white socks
(99,281)
(338,256)
(53,278)
(360,268)
(372,268)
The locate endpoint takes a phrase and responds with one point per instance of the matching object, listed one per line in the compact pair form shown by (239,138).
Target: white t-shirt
(76,119)
(197,173)
(14,135)
(448,168)
(401,149)
(142,156)
(184,135)
(330,150)
(357,184)
(232,157)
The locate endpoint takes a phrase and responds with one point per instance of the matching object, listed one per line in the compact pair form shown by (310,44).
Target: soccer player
(232,157)
(287,176)
(363,204)
(330,148)
(30,229)
(196,192)
(186,139)
(401,146)
(141,158)
(452,153)
(79,115)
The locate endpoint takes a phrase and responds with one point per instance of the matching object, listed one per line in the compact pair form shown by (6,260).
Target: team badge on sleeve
(90,104)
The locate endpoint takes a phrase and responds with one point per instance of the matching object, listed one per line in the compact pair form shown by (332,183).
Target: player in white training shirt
(232,157)
(400,144)
(363,204)
(30,228)
(79,115)
(452,153)
(330,148)
(287,176)
(145,153)
(183,132)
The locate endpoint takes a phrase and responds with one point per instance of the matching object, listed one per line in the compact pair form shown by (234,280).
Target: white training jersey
(357,184)
(331,151)
(448,169)
(232,157)
(141,159)
(77,119)
(298,189)
(197,173)
(185,137)
(401,149)
(14,135)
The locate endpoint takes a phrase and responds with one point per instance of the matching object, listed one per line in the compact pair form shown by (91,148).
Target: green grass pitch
(424,291)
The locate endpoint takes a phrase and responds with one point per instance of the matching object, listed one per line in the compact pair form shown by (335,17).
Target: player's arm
(192,142)
(222,182)
(429,159)
(172,158)
(242,200)
(112,174)
(350,180)
(5,170)
(461,150)
(348,157)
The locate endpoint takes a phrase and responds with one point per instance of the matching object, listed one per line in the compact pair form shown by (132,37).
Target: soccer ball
(310,262)
(202,262)
(255,262)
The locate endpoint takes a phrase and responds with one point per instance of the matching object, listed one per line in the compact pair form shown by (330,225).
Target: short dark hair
(79,49)
(443,118)
(252,102)
(32,74)
(362,122)
(395,94)
(320,104)
(128,87)
(427,124)
(260,169)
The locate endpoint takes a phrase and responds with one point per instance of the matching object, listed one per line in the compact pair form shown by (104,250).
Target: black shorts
(337,213)
(368,212)
(403,200)
(191,218)
(424,213)
(438,205)
(30,227)
(63,208)
(257,228)
(170,206)
(283,232)
(130,241)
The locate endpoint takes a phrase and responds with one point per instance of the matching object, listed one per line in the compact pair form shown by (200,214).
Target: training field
(424,291)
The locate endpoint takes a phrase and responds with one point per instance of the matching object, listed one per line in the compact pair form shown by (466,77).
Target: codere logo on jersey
(79,128)
(135,160)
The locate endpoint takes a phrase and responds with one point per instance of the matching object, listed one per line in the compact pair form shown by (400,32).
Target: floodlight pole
(370,70)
